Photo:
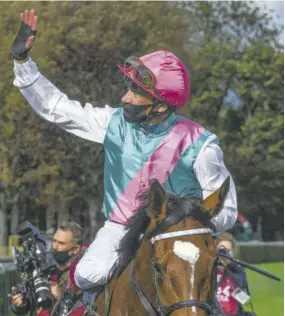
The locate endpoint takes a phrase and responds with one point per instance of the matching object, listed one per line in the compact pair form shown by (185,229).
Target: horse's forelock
(178,209)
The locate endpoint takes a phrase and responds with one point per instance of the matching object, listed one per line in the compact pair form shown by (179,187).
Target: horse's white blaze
(188,252)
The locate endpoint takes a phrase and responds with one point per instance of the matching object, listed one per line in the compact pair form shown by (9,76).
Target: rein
(153,311)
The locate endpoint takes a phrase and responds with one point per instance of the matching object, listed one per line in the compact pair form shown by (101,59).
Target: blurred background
(235,55)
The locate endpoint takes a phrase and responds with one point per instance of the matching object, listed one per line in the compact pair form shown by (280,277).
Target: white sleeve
(54,106)
(211,172)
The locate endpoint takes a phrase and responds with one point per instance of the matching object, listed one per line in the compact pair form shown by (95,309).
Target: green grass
(267,294)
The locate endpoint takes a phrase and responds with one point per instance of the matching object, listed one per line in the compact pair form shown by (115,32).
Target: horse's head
(184,250)
(177,241)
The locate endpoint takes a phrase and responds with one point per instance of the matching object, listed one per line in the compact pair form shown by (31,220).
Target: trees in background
(236,67)
(238,80)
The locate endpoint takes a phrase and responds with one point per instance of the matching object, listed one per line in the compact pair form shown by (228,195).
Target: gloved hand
(17,299)
(224,251)
(26,36)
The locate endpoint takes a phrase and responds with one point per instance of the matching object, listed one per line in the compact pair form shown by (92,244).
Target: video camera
(35,265)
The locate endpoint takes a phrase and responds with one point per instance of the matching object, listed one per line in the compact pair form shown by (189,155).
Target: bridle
(162,310)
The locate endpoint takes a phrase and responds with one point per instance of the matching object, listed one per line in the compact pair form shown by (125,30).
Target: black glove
(224,251)
(19,50)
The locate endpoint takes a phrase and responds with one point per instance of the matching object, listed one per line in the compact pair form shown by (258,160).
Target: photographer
(231,279)
(67,250)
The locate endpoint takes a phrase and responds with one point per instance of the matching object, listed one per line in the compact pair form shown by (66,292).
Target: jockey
(143,139)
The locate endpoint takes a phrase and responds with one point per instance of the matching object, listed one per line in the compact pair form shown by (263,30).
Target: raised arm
(211,172)
(46,99)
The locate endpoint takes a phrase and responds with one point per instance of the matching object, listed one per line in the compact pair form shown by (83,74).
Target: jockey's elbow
(80,277)
(77,276)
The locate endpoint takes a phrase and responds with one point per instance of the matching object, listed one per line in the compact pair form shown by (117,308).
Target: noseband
(162,310)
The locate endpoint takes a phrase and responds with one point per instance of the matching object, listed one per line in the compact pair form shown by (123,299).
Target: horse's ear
(157,202)
(213,204)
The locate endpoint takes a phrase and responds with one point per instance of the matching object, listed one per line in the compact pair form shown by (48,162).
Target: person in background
(67,248)
(232,285)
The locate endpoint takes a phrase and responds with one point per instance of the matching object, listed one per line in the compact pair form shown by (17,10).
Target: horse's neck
(142,269)
(128,303)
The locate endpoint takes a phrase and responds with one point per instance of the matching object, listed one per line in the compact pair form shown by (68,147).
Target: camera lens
(42,292)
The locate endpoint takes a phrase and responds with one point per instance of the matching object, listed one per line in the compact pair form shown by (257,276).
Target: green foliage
(226,45)
(238,51)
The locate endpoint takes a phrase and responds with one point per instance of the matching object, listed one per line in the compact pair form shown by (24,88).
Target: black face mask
(61,256)
(135,113)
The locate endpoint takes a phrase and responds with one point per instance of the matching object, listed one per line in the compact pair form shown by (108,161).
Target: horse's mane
(178,209)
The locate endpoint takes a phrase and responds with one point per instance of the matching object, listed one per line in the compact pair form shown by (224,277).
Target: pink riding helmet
(172,77)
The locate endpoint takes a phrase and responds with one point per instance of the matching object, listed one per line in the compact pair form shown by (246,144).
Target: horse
(166,259)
